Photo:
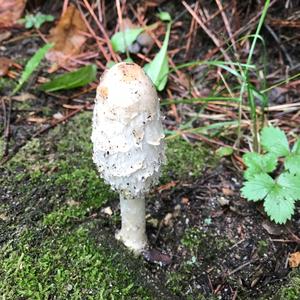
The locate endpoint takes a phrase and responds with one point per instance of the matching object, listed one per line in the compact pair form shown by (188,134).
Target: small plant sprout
(128,144)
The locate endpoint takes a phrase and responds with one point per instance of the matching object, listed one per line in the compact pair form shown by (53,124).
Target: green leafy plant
(158,68)
(280,192)
(31,65)
(36,21)
(121,40)
(71,80)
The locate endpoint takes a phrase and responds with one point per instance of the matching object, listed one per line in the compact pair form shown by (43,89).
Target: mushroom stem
(133,230)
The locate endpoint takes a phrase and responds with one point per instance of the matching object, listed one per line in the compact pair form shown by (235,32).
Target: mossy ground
(57,244)
(50,205)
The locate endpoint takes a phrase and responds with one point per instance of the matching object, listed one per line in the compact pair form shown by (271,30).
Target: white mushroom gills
(128,144)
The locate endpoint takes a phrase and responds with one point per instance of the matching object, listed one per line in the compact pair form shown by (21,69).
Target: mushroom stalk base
(133,230)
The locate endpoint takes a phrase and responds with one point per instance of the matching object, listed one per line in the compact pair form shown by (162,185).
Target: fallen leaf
(10,12)
(294,259)
(67,36)
(5,63)
(157,257)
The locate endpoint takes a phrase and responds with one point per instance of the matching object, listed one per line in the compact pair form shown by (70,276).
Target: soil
(206,241)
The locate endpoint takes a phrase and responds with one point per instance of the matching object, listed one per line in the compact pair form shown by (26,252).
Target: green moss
(64,266)
(184,160)
(197,241)
(290,291)
(6,85)
(58,191)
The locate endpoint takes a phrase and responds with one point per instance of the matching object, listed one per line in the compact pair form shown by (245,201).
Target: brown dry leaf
(294,259)
(10,11)
(67,36)
(5,63)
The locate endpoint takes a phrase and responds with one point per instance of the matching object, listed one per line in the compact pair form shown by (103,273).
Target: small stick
(7,124)
(101,48)
(89,8)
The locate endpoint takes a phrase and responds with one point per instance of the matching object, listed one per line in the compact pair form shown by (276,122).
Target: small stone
(107,210)
(168,219)
(223,201)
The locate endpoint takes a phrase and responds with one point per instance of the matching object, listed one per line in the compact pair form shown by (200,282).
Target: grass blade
(71,80)
(31,65)
(158,68)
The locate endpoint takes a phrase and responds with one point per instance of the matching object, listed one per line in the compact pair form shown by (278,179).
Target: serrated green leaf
(290,184)
(292,163)
(121,40)
(274,140)
(164,16)
(258,163)
(31,65)
(158,68)
(71,80)
(296,147)
(258,187)
(279,207)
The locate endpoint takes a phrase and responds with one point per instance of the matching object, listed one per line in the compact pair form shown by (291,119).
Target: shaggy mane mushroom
(128,144)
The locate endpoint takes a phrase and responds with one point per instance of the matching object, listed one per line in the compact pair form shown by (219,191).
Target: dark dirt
(228,248)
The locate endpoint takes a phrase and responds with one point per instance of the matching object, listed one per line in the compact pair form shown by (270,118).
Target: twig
(106,37)
(240,267)
(101,48)
(226,23)
(6,115)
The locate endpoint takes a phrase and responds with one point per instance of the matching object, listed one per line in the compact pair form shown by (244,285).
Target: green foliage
(273,140)
(259,164)
(164,16)
(121,40)
(281,193)
(291,291)
(31,65)
(36,21)
(71,80)
(64,265)
(158,68)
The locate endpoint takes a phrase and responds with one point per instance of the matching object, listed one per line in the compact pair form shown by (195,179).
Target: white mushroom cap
(127,130)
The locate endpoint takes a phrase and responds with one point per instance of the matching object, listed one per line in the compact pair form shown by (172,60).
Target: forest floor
(58,219)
